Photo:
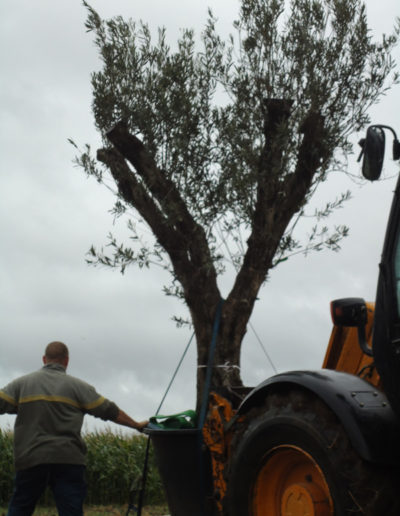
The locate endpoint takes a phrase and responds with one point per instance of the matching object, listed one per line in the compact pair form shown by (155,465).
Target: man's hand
(123,419)
(141,425)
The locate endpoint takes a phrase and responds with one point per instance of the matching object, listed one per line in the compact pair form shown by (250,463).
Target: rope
(204,405)
(207,385)
(236,267)
(202,416)
(175,373)
(264,349)
(222,366)
(146,457)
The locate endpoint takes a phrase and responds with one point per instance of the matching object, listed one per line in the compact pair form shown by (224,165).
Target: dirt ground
(101,511)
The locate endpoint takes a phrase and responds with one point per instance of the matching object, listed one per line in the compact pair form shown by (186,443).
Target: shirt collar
(53,366)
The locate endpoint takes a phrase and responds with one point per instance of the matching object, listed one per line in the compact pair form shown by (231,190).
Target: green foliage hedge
(6,466)
(114,464)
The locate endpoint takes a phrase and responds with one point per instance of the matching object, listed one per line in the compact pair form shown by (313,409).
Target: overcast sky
(119,328)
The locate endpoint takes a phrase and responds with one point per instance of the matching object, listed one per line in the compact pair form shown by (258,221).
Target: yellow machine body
(344,353)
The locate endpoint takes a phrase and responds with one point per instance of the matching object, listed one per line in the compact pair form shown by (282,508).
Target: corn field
(114,465)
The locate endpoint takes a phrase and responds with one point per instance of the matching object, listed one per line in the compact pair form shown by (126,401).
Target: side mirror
(352,313)
(373,150)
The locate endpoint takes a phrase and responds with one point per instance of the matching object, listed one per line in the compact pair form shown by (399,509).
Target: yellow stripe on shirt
(8,398)
(62,399)
(44,397)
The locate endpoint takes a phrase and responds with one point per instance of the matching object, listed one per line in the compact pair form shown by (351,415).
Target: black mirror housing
(350,312)
(396,149)
(373,149)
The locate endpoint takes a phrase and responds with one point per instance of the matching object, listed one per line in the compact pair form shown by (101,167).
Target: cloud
(118,327)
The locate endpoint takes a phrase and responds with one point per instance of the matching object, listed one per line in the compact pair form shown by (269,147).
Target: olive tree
(218,140)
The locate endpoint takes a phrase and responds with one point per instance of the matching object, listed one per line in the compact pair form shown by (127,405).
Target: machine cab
(386,326)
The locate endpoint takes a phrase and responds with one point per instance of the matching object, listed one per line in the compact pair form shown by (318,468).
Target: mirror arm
(361,143)
(386,127)
(363,341)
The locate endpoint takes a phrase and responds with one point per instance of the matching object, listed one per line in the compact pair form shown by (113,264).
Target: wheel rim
(291,484)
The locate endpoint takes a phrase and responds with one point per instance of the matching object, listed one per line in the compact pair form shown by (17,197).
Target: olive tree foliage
(217,141)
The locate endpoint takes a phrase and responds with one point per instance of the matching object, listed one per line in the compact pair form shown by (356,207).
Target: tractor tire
(292,457)
(387,362)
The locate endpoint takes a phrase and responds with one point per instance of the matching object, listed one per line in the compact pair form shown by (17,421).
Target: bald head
(56,352)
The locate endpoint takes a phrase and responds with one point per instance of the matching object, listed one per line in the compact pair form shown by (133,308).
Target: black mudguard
(364,411)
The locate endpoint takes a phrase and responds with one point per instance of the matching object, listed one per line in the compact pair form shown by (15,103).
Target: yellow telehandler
(308,443)
(328,442)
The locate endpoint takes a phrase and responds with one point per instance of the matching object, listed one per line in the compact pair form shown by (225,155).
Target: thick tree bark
(155,196)
(161,206)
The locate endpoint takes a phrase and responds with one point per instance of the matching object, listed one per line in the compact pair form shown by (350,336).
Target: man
(48,447)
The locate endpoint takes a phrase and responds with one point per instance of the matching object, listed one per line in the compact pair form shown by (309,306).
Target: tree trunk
(159,202)
(225,365)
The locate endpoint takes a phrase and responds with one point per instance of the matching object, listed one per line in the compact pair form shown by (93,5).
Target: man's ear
(44,359)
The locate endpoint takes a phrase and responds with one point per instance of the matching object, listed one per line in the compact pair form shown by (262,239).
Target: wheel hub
(291,484)
(305,499)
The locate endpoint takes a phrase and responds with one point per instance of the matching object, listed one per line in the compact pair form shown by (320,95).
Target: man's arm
(8,399)
(124,420)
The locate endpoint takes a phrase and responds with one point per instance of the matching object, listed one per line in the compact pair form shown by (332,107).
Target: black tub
(185,470)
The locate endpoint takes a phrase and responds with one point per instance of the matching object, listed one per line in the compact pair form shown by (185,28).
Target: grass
(152,510)
(156,510)
(114,467)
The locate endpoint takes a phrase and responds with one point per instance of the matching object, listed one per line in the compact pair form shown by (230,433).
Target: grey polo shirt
(50,406)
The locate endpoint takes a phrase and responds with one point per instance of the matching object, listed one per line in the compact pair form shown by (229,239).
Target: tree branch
(158,201)
(136,195)
(314,151)
(271,215)
(155,179)
(164,190)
